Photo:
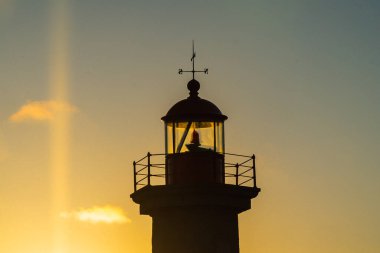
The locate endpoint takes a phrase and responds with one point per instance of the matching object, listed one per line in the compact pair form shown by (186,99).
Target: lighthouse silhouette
(195,190)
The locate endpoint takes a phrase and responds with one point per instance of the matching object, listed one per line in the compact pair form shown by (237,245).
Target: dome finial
(193,87)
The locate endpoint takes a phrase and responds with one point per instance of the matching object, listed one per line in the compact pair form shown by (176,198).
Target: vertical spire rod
(193,60)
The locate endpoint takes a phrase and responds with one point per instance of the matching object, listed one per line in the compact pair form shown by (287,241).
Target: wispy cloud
(98,214)
(41,111)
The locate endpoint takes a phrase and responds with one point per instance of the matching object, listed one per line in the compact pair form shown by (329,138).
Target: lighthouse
(194,190)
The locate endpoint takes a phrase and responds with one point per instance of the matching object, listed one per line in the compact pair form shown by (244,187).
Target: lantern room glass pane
(194,137)
(169,139)
(219,137)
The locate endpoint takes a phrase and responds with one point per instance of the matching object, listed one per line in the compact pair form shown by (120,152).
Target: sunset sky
(84,84)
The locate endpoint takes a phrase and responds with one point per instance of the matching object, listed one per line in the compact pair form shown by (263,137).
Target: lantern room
(194,141)
(194,125)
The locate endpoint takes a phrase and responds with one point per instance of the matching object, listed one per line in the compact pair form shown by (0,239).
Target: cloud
(98,214)
(41,111)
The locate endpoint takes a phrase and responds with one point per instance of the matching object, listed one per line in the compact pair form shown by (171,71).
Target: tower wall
(194,168)
(200,230)
(195,218)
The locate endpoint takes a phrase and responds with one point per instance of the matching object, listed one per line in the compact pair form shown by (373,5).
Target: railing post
(134,175)
(254,170)
(166,170)
(148,155)
(237,174)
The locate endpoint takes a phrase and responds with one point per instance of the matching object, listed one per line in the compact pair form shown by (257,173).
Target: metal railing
(240,170)
(147,172)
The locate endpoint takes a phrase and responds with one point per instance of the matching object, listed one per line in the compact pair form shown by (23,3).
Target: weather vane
(180,71)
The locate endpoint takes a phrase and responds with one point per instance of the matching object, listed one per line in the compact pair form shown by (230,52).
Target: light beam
(59,80)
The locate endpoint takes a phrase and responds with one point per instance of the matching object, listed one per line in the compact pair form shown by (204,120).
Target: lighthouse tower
(195,206)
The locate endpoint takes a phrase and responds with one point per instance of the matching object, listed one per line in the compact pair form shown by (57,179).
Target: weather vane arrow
(180,71)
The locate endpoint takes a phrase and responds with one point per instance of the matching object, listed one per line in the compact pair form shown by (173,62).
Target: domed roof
(194,108)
